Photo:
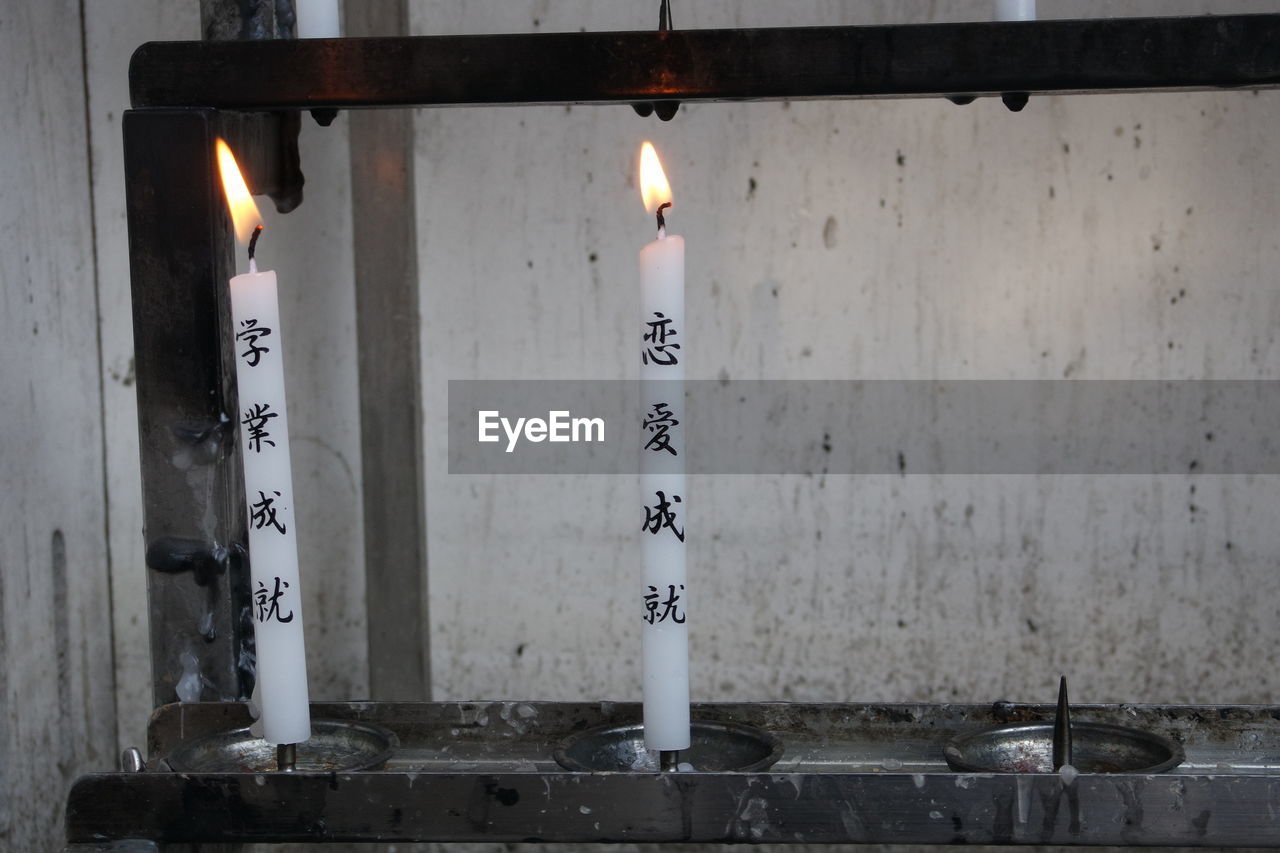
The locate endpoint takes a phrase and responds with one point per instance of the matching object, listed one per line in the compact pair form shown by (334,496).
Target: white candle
(664,595)
(1015,10)
(318,19)
(263,416)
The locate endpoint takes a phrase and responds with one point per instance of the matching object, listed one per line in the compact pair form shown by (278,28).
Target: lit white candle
(1015,10)
(318,19)
(662,474)
(268,481)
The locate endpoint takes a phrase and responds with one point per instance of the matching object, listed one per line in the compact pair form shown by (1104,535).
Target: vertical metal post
(387,328)
(181,260)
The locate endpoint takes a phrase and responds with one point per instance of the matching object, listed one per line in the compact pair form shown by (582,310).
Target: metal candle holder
(850,773)
(1051,747)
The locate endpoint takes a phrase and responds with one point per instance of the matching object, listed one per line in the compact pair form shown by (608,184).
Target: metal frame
(969,59)
(186,94)
(190,470)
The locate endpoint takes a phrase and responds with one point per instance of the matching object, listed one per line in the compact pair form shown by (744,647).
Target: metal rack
(849,773)
(187,94)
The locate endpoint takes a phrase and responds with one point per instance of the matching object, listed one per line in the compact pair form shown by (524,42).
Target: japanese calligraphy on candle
(663,600)
(268,602)
(263,417)
(668,601)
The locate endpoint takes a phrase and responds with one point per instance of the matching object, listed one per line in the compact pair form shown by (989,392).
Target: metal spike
(1062,728)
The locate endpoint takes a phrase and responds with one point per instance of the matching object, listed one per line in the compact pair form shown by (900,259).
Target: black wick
(662,223)
(253,241)
(664,15)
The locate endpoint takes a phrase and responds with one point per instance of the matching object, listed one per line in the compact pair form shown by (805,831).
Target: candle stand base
(847,773)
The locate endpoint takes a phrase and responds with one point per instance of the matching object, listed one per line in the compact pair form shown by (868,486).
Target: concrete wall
(55,626)
(1087,237)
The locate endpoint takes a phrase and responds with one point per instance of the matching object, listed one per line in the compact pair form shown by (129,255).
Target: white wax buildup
(665,598)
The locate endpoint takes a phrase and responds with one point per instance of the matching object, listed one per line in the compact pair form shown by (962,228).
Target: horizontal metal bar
(923,808)
(849,773)
(1111,55)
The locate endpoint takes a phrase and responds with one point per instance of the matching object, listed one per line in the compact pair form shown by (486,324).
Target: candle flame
(244,213)
(653,181)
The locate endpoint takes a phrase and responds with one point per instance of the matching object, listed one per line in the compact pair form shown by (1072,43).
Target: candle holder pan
(714,747)
(1096,748)
(334,746)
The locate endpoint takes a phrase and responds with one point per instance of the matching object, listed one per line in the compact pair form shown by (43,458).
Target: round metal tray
(715,747)
(1095,748)
(334,745)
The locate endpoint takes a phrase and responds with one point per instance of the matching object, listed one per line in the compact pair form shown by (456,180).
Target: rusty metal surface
(970,59)
(849,773)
